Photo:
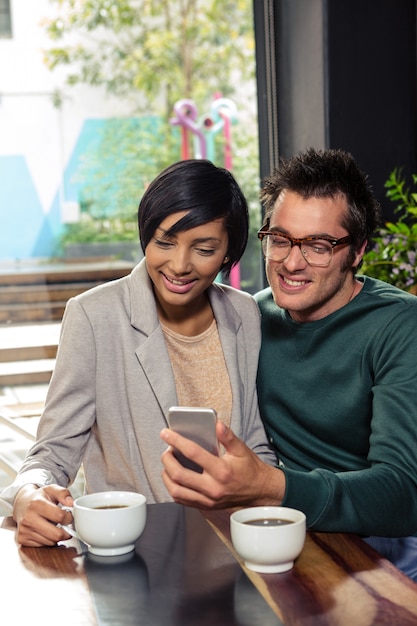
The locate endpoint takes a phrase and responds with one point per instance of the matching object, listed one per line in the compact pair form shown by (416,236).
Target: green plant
(393,253)
(112,175)
(90,230)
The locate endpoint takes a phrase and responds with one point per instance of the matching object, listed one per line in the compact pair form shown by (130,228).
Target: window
(5,19)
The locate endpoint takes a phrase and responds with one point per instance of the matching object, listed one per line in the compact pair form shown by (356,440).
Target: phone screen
(197,424)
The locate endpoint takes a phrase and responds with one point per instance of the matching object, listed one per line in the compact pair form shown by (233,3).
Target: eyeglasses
(317,251)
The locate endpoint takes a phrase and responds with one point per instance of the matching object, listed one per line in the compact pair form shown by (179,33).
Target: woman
(130,349)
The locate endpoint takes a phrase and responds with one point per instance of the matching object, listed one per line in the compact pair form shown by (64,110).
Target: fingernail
(223,428)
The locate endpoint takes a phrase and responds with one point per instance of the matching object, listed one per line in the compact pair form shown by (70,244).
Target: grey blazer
(113,384)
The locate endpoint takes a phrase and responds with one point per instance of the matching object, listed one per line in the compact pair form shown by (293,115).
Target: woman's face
(184,265)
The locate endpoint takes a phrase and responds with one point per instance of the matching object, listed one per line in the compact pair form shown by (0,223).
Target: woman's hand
(37,514)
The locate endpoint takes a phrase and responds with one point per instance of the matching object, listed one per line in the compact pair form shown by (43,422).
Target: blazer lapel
(151,350)
(153,357)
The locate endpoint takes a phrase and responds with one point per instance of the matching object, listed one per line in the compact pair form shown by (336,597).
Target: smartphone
(197,424)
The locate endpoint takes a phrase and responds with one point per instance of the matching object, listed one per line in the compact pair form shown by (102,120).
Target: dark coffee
(111,506)
(269,521)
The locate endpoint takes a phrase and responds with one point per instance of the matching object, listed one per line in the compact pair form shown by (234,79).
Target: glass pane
(75,158)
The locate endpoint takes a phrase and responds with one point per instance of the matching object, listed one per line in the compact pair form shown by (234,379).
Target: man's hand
(237,478)
(37,514)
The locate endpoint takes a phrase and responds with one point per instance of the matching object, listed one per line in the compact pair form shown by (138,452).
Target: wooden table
(184,572)
(337,580)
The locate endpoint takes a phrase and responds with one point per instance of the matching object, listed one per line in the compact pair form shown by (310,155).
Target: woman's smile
(178,285)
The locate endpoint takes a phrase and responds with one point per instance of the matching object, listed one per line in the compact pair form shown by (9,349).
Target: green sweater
(339,401)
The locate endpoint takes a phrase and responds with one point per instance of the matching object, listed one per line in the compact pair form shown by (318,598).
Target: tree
(153,53)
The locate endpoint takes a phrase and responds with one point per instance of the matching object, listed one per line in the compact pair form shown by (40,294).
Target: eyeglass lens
(317,252)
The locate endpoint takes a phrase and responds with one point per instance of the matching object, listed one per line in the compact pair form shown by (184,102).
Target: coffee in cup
(268,538)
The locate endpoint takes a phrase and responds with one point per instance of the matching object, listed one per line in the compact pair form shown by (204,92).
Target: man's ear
(359,254)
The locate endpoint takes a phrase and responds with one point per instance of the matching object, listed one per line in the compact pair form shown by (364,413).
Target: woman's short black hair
(207,192)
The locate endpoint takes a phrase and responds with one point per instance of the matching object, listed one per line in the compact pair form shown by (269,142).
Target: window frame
(5,20)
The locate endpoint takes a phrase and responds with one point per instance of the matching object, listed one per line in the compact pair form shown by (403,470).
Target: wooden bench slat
(29,294)
(27,353)
(17,314)
(64,273)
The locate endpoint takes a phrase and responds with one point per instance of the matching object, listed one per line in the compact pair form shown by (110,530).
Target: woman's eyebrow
(164,233)
(161,232)
(206,240)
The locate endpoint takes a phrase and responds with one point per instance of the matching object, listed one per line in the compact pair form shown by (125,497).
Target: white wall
(31,127)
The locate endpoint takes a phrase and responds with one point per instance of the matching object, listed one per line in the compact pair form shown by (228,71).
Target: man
(337,371)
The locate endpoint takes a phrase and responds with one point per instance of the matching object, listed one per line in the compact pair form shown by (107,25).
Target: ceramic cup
(109,522)
(268,538)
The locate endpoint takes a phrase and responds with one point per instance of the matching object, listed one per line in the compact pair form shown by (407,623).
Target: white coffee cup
(268,547)
(109,522)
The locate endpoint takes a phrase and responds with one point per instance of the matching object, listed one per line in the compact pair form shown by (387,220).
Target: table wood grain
(337,580)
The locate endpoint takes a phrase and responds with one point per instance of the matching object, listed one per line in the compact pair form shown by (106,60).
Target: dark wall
(345,77)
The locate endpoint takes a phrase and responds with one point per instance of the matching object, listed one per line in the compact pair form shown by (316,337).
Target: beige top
(200,372)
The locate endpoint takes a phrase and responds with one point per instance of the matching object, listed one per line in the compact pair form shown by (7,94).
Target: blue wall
(27,231)
(23,220)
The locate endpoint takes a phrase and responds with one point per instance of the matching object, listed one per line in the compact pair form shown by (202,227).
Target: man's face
(311,293)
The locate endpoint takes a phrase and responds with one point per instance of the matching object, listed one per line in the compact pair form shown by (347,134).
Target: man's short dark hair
(327,174)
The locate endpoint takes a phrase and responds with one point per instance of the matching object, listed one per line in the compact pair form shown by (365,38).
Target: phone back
(197,424)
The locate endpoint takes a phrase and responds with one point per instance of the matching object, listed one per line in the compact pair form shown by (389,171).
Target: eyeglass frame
(295,241)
